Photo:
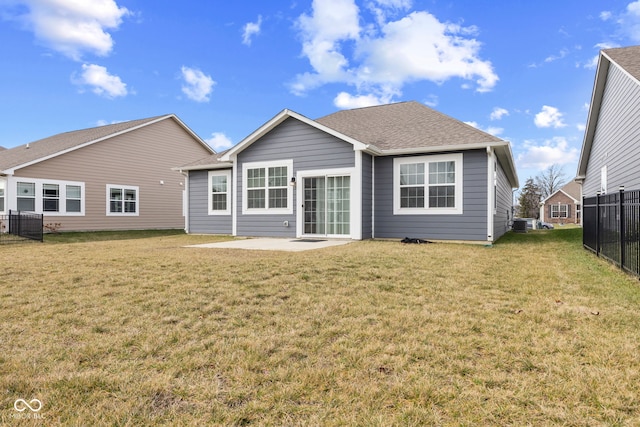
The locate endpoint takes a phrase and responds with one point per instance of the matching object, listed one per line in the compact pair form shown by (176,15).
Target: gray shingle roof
(627,57)
(61,142)
(404,125)
(209,162)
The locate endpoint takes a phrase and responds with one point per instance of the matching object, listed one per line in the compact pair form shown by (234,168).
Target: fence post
(622,226)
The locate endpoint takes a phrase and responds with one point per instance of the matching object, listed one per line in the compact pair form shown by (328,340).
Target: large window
(50,197)
(122,200)
(428,184)
(219,192)
(266,187)
(559,211)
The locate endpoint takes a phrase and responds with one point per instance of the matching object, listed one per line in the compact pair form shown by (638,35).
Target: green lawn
(533,330)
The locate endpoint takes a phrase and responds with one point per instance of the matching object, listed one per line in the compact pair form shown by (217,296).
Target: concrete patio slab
(271,244)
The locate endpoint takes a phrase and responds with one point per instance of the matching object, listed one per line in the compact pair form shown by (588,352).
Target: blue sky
(522,70)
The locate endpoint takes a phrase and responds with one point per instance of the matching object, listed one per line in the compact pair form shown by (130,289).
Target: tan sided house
(114,177)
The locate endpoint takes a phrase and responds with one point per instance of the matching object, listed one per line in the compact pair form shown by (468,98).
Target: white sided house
(114,177)
(390,171)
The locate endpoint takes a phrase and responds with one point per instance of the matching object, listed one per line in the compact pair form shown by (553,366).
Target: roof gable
(56,145)
(628,60)
(571,189)
(277,120)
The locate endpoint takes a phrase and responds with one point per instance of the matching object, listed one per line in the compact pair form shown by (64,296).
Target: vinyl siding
(309,148)
(503,212)
(199,219)
(616,141)
(143,157)
(471,225)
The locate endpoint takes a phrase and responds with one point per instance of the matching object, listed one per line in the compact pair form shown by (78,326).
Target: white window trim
(267,210)
(226,173)
(398,161)
(39,183)
(122,187)
(559,212)
(3,186)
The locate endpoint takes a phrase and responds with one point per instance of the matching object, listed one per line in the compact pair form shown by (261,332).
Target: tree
(529,200)
(550,180)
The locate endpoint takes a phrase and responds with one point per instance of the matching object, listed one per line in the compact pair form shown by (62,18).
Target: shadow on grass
(98,236)
(567,235)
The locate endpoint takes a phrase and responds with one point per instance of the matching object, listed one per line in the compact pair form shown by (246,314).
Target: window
(428,184)
(26,196)
(50,197)
(122,200)
(559,211)
(267,188)
(219,191)
(74,198)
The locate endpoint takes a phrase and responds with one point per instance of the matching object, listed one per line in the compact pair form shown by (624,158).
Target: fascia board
(594,111)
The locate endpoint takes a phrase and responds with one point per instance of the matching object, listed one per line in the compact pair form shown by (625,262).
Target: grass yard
(532,331)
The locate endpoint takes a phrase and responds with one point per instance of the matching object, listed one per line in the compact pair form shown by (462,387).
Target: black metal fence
(20,226)
(611,228)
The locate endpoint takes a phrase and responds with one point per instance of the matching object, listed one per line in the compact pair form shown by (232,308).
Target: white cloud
(605,15)
(73,27)
(347,101)
(498,113)
(383,57)
(549,117)
(102,83)
(198,86)
(553,151)
(332,21)
(493,130)
(251,29)
(560,55)
(431,101)
(219,141)
(581,127)
(630,21)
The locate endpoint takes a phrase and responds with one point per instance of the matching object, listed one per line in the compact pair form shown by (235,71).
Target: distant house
(611,148)
(390,171)
(563,206)
(113,177)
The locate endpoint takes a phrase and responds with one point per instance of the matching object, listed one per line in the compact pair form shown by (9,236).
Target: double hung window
(428,184)
(122,200)
(219,192)
(267,188)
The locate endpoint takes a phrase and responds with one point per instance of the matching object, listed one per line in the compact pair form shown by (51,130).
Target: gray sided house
(390,171)
(114,177)
(611,148)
